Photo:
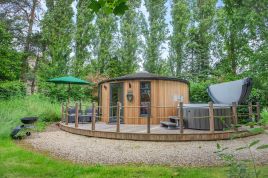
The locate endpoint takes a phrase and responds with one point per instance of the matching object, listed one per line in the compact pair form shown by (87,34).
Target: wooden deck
(130,128)
(138,132)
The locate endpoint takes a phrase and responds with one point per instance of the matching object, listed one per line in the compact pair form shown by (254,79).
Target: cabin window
(145,97)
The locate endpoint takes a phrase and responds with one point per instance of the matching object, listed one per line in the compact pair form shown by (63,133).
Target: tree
(57,30)
(85,35)
(106,29)
(201,37)
(10,59)
(180,21)
(22,18)
(130,30)
(156,35)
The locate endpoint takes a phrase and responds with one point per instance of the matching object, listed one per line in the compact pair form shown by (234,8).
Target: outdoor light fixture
(130,96)
(105,87)
(129,85)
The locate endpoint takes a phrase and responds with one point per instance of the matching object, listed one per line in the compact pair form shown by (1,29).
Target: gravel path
(105,151)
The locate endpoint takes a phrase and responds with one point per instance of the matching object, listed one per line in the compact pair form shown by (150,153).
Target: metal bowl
(28,120)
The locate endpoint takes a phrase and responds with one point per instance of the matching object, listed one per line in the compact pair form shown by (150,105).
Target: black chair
(86,116)
(71,115)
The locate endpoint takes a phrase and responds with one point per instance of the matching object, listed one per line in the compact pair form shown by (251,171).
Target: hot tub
(196,116)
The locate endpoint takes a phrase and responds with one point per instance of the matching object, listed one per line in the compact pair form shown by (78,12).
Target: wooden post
(176,108)
(93,116)
(211,117)
(258,111)
(76,115)
(66,115)
(181,117)
(62,112)
(250,115)
(234,116)
(149,119)
(118,116)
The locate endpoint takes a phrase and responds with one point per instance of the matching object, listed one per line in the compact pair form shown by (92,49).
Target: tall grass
(15,108)
(264,116)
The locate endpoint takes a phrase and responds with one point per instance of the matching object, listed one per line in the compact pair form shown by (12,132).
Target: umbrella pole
(69,93)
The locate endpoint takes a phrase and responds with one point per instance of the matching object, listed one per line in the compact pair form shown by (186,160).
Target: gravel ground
(106,151)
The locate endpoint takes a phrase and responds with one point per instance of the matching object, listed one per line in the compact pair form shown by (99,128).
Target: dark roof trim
(144,77)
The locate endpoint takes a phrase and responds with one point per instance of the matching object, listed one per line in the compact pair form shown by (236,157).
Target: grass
(16,161)
(14,109)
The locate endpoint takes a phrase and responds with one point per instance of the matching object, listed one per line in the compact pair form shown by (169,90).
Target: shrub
(264,116)
(198,92)
(10,89)
(258,95)
(50,116)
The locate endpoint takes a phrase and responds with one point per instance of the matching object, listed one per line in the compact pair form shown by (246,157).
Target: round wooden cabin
(135,92)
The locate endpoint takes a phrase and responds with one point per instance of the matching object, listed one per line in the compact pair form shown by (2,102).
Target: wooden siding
(105,103)
(163,94)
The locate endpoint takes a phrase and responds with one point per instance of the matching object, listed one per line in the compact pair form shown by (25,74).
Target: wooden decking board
(138,133)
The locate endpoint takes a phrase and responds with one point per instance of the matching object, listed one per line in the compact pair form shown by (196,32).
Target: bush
(264,116)
(50,116)
(258,95)
(198,92)
(10,89)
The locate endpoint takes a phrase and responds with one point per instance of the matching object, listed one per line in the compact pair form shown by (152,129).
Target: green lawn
(19,162)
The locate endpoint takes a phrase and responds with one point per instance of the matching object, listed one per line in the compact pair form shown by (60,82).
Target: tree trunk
(24,66)
(33,84)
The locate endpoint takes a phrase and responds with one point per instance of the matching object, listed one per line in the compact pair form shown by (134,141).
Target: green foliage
(11,89)
(240,168)
(130,31)
(37,105)
(105,51)
(57,30)
(85,34)
(50,115)
(206,43)
(198,92)
(201,37)
(155,35)
(262,147)
(264,117)
(258,95)
(60,92)
(180,22)
(9,57)
(118,7)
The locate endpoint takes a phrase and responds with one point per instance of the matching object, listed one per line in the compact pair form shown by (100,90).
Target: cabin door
(116,94)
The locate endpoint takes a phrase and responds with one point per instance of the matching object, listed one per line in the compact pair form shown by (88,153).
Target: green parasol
(69,80)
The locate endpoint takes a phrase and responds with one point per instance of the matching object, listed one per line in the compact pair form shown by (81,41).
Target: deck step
(169,125)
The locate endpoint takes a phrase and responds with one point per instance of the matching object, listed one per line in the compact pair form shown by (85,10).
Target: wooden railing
(234,115)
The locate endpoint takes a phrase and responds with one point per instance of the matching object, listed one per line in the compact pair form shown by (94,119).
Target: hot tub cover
(228,92)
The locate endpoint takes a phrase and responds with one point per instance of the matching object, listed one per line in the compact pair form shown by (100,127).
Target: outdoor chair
(71,115)
(86,116)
